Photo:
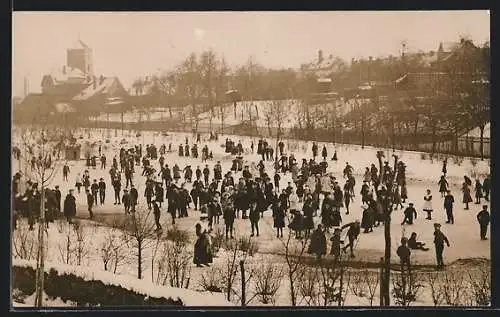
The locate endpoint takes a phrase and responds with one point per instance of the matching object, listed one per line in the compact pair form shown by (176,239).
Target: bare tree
(294,257)
(406,287)
(24,242)
(371,281)
(433,280)
(178,263)
(140,232)
(452,286)
(481,286)
(41,139)
(267,282)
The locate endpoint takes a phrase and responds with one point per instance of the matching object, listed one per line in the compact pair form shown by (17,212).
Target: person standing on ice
(466,195)
(65,171)
(94,188)
(443,185)
(314,150)
(70,206)
(134,195)
(404,254)
(103,161)
(486,188)
(324,153)
(90,203)
(428,204)
(483,218)
(102,190)
(397,199)
(318,245)
(444,170)
(117,185)
(479,191)
(439,240)
(448,206)
(228,211)
(157,214)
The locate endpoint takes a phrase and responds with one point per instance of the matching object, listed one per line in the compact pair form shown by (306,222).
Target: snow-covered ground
(421,174)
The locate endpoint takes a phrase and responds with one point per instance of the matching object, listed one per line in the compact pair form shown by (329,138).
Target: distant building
(73,88)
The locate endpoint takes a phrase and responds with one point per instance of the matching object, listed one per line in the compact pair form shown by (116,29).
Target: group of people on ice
(250,190)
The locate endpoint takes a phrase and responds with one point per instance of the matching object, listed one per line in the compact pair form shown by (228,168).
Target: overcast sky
(134,44)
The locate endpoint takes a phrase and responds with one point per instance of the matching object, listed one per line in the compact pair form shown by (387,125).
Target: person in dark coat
(157,214)
(404,254)
(467,196)
(409,213)
(117,185)
(159,192)
(57,194)
(254,216)
(324,152)
(70,206)
(202,248)
(487,188)
(90,203)
(102,191)
(127,201)
(448,206)
(479,191)
(443,186)
(336,243)
(149,193)
(352,235)
(414,244)
(228,212)
(134,195)
(367,219)
(278,217)
(173,201)
(483,218)
(95,190)
(439,240)
(308,222)
(318,243)
(296,224)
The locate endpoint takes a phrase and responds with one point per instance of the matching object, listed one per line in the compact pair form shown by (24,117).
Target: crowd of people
(248,190)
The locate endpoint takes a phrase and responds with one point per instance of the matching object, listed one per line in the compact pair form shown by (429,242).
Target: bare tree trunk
(363,130)
(41,250)
(139,259)
(243,283)
(387,259)
(381,291)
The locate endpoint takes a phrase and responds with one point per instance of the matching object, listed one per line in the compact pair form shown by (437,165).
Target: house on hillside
(470,142)
(75,86)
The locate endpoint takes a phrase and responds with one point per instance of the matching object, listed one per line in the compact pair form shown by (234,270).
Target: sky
(134,44)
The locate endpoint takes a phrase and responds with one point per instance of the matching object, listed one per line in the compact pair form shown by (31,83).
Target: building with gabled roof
(75,86)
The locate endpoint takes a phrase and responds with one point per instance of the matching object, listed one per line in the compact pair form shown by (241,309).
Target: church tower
(80,57)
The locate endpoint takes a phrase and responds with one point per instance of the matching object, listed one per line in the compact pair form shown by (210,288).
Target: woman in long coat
(202,250)
(296,224)
(254,216)
(367,219)
(443,186)
(467,197)
(318,243)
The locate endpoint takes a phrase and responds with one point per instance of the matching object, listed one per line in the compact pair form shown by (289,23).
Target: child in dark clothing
(414,244)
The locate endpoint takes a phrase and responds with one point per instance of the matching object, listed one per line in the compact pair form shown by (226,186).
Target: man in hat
(102,190)
(404,255)
(483,217)
(448,206)
(95,189)
(90,203)
(439,240)
(409,213)
(58,196)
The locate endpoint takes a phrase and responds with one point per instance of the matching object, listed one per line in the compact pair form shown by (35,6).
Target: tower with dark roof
(80,57)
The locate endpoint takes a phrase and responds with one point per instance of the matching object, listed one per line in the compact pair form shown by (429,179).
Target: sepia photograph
(250,159)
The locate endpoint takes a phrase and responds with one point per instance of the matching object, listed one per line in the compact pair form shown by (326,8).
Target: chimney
(101,79)
(320,56)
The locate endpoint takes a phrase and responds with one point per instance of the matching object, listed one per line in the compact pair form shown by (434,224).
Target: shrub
(70,287)
(248,246)
(177,236)
(217,241)
(212,281)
